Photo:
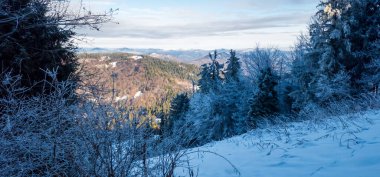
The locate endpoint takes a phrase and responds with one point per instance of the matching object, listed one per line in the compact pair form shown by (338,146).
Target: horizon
(180,49)
(200,25)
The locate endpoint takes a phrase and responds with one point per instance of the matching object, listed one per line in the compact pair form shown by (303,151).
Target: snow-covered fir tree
(331,49)
(210,73)
(221,110)
(364,23)
(341,59)
(232,72)
(265,101)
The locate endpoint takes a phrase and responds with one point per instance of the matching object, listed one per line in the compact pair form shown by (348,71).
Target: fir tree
(232,72)
(205,78)
(330,49)
(34,44)
(210,78)
(364,21)
(344,39)
(178,108)
(265,101)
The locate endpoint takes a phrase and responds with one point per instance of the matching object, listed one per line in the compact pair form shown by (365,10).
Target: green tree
(178,109)
(344,37)
(340,58)
(36,42)
(265,101)
(232,72)
(210,79)
(34,45)
(364,21)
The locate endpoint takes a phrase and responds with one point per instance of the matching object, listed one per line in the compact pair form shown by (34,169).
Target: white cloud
(168,27)
(248,39)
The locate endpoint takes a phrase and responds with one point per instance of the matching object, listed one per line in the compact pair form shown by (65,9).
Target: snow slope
(347,146)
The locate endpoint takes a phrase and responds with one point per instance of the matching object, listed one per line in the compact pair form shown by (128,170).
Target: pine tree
(265,101)
(344,39)
(178,108)
(330,48)
(34,44)
(226,104)
(232,72)
(364,21)
(205,82)
(210,75)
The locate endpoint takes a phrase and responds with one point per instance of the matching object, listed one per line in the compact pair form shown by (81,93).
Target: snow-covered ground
(346,146)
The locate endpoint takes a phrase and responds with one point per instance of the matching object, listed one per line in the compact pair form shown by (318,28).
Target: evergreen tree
(210,75)
(232,72)
(364,22)
(303,70)
(227,106)
(339,59)
(205,78)
(330,48)
(33,44)
(344,38)
(371,78)
(265,101)
(178,108)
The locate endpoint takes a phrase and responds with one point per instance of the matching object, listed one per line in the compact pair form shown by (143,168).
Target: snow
(136,57)
(340,146)
(138,94)
(117,99)
(113,64)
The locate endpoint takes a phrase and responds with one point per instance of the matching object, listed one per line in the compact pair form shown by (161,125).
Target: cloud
(269,5)
(206,28)
(143,23)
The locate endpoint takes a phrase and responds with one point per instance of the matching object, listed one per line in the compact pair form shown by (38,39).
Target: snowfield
(347,146)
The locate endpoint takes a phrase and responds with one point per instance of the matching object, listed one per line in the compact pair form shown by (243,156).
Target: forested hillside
(139,81)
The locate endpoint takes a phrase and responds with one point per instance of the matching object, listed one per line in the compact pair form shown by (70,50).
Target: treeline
(338,60)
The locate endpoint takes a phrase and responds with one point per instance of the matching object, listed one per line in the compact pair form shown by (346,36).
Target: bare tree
(263,58)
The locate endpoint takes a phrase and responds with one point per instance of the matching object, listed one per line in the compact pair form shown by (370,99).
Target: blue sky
(201,24)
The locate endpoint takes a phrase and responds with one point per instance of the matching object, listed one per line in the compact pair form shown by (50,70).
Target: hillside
(141,81)
(338,146)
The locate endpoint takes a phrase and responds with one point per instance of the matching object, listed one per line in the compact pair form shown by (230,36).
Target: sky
(200,24)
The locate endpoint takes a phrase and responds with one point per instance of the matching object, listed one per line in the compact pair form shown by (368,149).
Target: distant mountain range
(196,56)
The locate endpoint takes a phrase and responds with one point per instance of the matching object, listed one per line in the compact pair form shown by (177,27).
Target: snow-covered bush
(37,134)
(50,135)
